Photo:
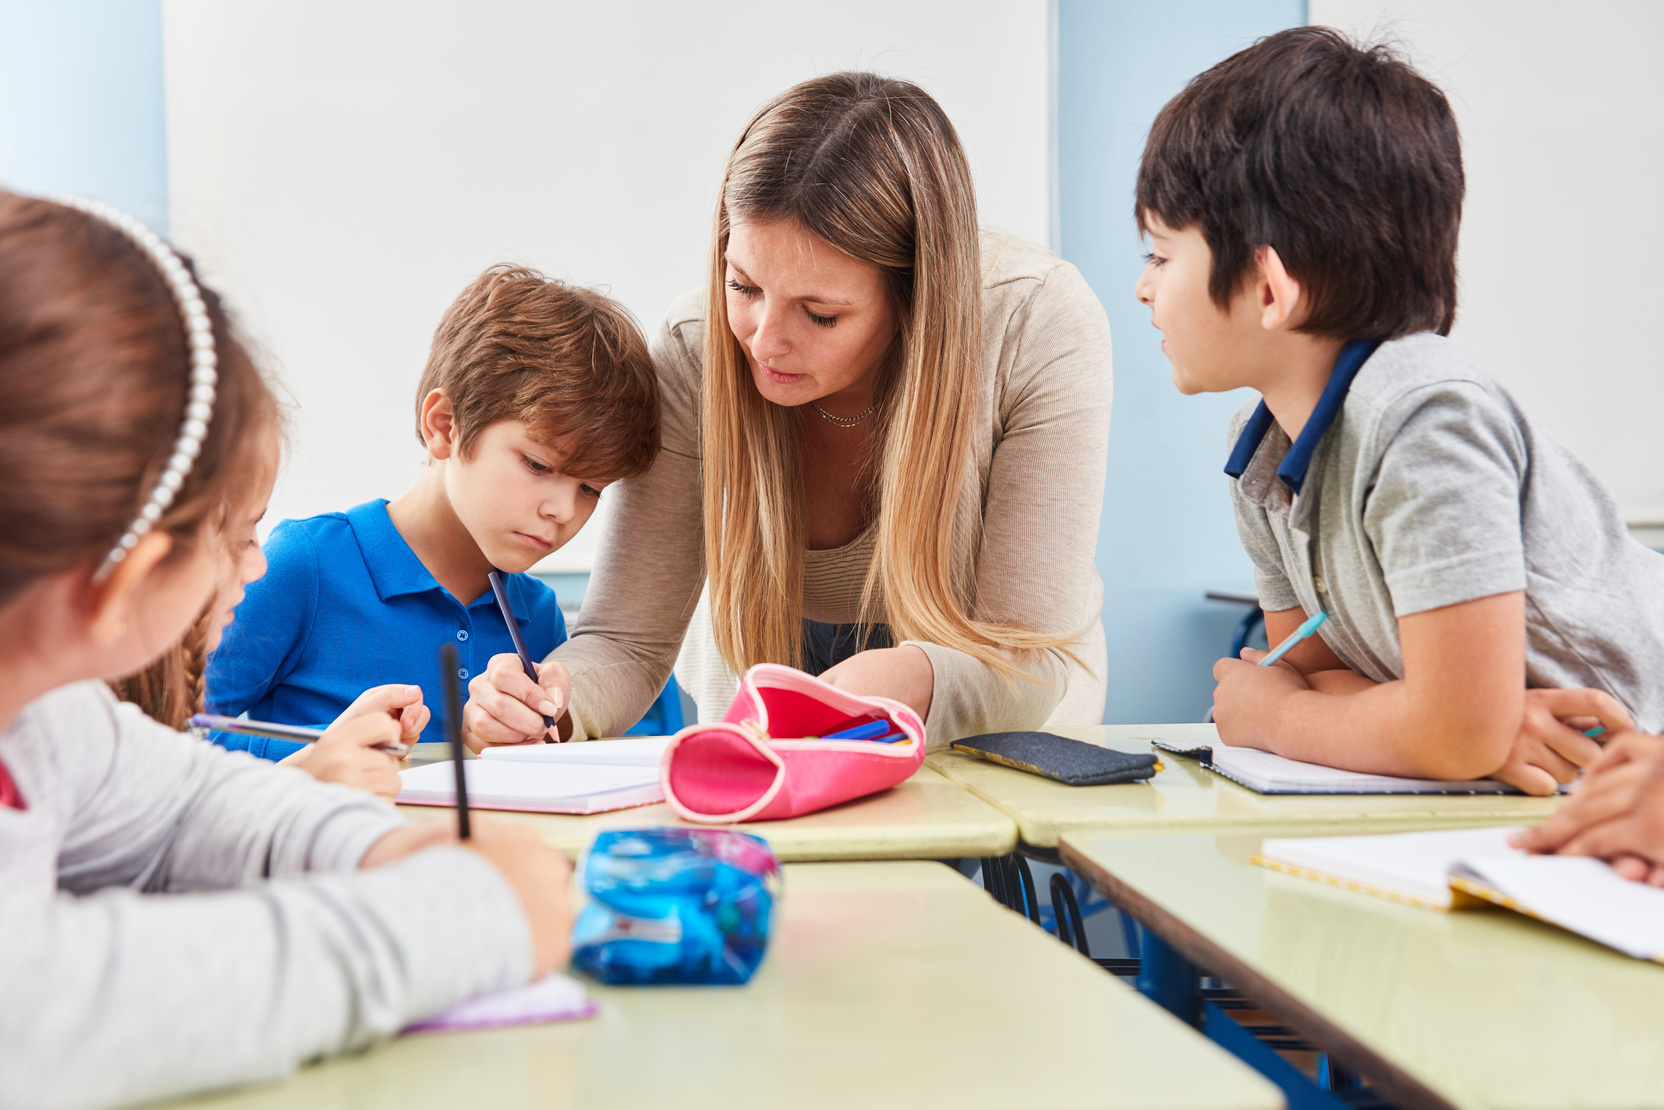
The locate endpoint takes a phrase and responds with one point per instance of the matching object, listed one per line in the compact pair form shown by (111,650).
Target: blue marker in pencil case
(676,906)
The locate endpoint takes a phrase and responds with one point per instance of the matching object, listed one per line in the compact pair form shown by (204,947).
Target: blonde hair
(873,166)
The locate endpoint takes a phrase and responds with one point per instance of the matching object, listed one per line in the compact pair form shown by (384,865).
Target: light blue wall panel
(1167,534)
(81,102)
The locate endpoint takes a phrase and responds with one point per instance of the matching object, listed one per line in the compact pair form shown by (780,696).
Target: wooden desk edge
(1399,1087)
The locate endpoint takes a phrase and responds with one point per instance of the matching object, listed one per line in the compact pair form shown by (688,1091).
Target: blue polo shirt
(346,605)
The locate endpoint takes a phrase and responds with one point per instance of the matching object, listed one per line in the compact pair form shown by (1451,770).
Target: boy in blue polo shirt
(535,397)
(1302,201)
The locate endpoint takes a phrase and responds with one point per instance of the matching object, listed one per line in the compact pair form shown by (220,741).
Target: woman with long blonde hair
(885,434)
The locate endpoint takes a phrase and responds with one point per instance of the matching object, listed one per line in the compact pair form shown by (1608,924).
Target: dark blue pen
(526,663)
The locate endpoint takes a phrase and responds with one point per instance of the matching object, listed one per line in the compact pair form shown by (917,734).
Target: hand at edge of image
(1615,813)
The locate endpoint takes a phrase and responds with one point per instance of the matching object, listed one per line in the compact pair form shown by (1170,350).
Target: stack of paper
(556,786)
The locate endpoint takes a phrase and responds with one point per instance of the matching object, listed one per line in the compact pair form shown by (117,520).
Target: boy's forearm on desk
(1390,728)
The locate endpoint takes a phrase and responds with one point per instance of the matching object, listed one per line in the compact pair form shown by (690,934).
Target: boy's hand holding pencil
(507,707)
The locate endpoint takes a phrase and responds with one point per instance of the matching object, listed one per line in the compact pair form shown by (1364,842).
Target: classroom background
(341,170)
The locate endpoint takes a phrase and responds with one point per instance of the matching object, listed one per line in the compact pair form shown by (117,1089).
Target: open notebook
(626,751)
(545,786)
(1456,869)
(1274,774)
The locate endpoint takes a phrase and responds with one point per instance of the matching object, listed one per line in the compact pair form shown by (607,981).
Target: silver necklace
(845,421)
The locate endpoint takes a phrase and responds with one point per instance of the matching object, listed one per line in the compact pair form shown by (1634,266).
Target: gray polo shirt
(1418,483)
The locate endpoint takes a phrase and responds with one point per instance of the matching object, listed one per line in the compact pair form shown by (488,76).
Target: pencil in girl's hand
(452,685)
(213,722)
(526,664)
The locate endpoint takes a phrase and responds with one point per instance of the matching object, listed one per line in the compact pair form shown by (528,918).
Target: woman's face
(815,323)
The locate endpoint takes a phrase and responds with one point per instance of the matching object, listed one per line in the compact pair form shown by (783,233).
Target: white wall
(1562,256)
(342,170)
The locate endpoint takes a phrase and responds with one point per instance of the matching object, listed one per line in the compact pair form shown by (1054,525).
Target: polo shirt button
(462,673)
(1322,586)
(462,633)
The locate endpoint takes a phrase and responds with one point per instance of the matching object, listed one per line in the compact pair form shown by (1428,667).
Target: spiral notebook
(1464,868)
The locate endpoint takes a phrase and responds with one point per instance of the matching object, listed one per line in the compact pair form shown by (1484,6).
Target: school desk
(1471,1009)
(926,817)
(887,985)
(1186,797)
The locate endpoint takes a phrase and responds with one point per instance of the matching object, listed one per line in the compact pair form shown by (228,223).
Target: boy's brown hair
(1342,159)
(568,362)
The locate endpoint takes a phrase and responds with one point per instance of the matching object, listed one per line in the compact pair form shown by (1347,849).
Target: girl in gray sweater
(174,916)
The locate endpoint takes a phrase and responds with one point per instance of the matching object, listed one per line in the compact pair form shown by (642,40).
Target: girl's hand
(402,703)
(1250,699)
(348,754)
(506,707)
(902,674)
(1616,813)
(1551,745)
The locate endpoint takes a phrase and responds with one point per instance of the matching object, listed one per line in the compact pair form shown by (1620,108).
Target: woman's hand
(1551,745)
(347,753)
(506,707)
(1616,813)
(538,873)
(902,674)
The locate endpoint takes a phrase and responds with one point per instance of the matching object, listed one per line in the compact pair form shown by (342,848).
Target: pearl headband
(199,340)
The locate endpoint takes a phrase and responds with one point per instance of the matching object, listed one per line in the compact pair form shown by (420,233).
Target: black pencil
(452,684)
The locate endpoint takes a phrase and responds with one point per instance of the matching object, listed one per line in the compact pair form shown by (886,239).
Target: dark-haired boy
(1302,201)
(535,397)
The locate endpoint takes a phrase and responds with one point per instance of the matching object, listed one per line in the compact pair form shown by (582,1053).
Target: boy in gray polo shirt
(1302,201)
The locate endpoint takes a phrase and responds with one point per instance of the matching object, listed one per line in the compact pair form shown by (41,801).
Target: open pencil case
(771,757)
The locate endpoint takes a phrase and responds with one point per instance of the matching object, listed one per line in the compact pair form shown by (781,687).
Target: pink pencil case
(768,759)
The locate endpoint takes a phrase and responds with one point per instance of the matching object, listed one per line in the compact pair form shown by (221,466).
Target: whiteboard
(341,171)
(1561,108)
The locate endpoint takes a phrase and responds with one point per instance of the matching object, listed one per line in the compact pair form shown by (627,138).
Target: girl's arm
(115,997)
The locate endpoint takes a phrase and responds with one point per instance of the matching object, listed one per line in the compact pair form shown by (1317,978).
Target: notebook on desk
(625,751)
(543,787)
(1465,868)
(1265,773)
(556,997)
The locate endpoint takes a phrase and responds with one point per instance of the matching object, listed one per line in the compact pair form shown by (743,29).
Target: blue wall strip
(1167,534)
(81,102)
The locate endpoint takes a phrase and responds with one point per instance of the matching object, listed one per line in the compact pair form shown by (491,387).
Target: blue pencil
(1306,629)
